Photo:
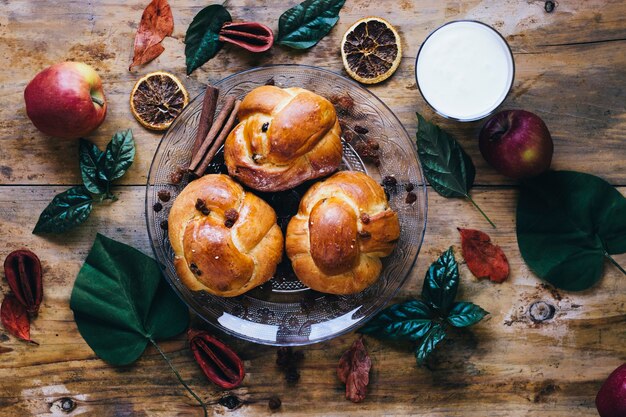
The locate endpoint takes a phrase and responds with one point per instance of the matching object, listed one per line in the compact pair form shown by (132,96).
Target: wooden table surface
(570,70)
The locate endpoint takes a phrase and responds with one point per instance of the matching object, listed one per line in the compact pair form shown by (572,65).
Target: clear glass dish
(284,312)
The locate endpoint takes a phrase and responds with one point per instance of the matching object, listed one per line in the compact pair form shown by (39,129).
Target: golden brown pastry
(343,227)
(284,138)
(225,240)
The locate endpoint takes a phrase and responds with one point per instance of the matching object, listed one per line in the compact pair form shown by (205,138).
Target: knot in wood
(541,311)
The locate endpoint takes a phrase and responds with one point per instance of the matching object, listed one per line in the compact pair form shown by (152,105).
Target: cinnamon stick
(219,141)
(206,117)
(216,127)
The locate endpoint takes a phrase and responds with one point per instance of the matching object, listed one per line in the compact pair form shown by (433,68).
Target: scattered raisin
(164,195)
(265,126)
(372,144)
(287,359)
(348,136)
(344,103)
(361,130)
(390,181)
(202,208)
(274,403)
(364,234)
(177,176)
(157,207)
(409,187)
(376,161)
(164,225)
(411,198)
(230,402)
(549,6)
(365,218)
(270,81)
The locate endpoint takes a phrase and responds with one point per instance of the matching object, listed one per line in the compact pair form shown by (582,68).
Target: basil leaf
(568,223)
(202,37)
(66,210)
(441,283)
(121,302)
(409,320)
(447,167)
(304,25)
(464,314)
(427,345)
(118,156)
(90,162)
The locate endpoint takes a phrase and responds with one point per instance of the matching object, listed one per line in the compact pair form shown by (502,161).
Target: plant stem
(481,212)
(193,394)
(610,258)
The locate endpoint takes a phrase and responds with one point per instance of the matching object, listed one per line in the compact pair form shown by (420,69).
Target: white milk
(464,70)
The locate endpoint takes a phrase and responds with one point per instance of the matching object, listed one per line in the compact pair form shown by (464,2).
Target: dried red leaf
(354,371)
(22,270)
(220,363)
(14,318)
(156,23)
(483,258)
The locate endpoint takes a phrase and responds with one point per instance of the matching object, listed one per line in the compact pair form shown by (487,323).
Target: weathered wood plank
(507,364)
(576,86)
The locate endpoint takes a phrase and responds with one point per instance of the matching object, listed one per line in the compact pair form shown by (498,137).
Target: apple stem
(98,101)
(481,212)
(610,258)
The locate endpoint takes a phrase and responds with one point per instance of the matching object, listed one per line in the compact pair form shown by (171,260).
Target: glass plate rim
(423,191)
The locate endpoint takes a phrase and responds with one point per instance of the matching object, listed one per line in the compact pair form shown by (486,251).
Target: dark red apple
(66,100)
(517,144)
(611,399)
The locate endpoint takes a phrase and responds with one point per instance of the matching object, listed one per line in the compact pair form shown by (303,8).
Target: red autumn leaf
(483,258)
(15,318)
(354,371)
(156,23)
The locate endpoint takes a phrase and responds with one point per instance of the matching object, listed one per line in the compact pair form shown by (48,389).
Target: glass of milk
(464,70)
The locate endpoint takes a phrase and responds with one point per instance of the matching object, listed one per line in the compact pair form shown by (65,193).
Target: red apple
(611,399)
(517,144)
(66,100)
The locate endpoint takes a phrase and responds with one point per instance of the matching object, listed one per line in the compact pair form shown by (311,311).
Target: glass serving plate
(284,312)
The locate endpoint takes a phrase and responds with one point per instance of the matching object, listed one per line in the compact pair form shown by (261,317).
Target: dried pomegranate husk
(22,270)
(220,363)
(253,36)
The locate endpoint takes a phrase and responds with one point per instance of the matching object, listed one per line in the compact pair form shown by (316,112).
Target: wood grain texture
(569,70)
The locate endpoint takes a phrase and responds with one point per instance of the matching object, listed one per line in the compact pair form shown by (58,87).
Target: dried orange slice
(157,99)
(371,50)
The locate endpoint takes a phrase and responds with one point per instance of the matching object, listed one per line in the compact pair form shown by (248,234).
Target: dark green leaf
(91,160)
(121,302)
(427,345)
(67,210)
(118,156)
(202,37)
(447,167)
(409,320)
(464,314)
(441,283)
(567,224)
(304,25)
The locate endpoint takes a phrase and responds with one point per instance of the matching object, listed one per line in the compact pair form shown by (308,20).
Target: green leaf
(441,283)
(66,210)
(427,345)
(409,320)
(447,167)
(202,37)
(118,156)
(568,223)
(121,302)
(304,25)
(464,314)
(91,159)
